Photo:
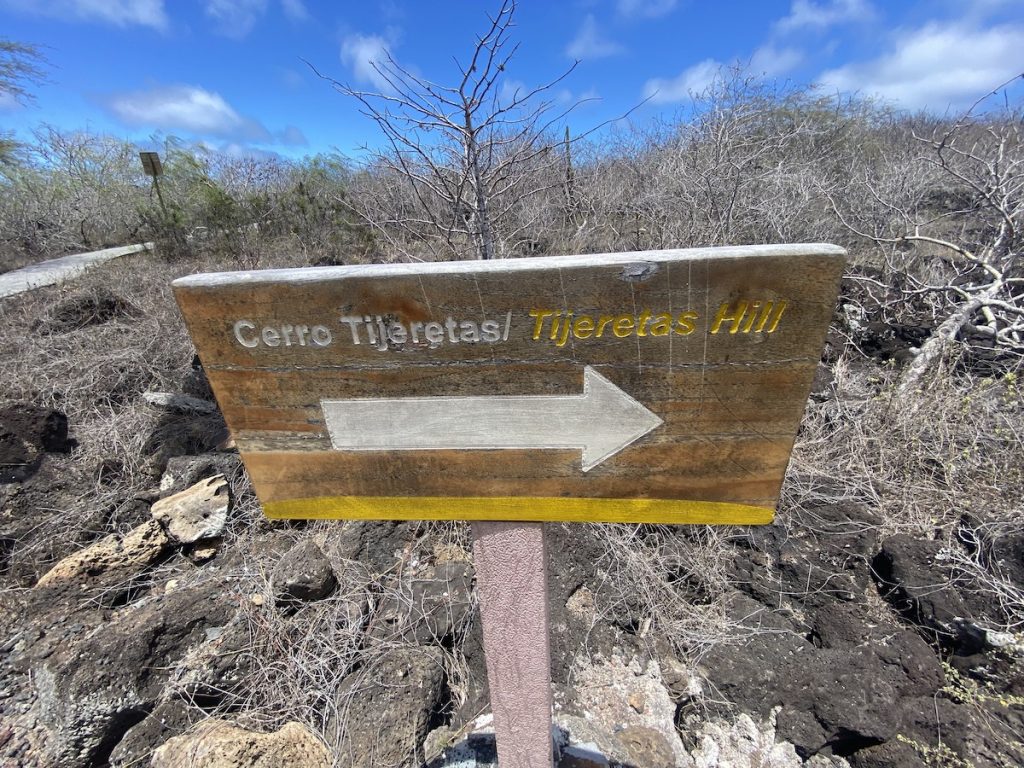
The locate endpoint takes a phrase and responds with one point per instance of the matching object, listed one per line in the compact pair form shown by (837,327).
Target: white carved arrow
(601,422)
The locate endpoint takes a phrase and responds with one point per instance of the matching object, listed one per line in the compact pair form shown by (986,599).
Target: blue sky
(230,73)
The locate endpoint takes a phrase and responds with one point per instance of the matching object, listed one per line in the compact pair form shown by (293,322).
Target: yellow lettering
(778,316)
(686,323)
(583,327)
(752,316)
(566,327)
(541,315)
(624,325)
(662,325)
(602,322)
(765,314)
(641,322)
(726,312)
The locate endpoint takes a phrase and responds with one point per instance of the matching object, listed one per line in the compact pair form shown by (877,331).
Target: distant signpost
(152,166)
(661,387)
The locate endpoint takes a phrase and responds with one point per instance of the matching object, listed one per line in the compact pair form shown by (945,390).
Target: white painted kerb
(58,270)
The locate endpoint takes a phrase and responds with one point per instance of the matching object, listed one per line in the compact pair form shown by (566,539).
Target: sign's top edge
(311,274)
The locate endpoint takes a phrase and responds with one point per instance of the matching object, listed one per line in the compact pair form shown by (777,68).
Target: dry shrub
(90,348)
(300,660)
(666,581)
(300,656)
(94,367)
(920,463)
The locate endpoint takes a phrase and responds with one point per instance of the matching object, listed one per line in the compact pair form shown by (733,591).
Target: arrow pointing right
(600,422)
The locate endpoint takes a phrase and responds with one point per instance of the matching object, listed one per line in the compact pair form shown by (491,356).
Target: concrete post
(511,571)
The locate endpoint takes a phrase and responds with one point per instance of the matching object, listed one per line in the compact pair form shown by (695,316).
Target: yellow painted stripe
(669,511)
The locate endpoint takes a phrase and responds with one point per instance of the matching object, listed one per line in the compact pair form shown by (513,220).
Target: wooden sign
(662,386)
(151,164)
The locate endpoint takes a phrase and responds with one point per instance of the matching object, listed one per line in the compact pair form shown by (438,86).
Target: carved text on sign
(384,332)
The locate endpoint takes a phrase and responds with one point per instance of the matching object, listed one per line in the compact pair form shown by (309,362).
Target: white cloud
(235,18)
(510,89)
(807,13)
(295,10)
(242,151)
(121,13)
(771,61)
(649,9)
(360,52)
(589,43)
(936,66)
(767,61)
(186,107)
(694,80)
(292,135)
(7,102)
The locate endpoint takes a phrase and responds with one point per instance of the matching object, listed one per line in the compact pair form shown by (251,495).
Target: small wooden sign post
(152,166)
(661,387)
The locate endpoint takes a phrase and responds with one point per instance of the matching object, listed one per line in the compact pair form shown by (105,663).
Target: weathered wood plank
(720,345)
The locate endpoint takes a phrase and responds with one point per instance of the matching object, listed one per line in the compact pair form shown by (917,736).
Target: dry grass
(952,449)
(300,657)
(96,374)
(670,580)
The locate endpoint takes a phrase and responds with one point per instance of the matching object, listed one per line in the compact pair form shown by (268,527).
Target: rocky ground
(165,621)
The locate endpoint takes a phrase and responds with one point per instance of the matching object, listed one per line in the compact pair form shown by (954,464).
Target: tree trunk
(942,338)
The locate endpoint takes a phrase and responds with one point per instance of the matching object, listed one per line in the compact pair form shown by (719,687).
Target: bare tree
(969,226)
(20,66)
(70,191)
(466,154)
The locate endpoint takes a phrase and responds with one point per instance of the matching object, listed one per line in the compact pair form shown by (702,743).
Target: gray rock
(304,574)
(839,698)
(823,559)
(442,602)
(225,745)
(647,746)
(175,401)
(185,471)
(606,694)
(383,711)
(92,691)
(891,754)
(431,609)
(200,512)
(170,718)
(744,743)
(113,558)
(216,671)
(919,584)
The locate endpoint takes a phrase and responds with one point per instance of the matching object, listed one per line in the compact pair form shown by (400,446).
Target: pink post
(511,572)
